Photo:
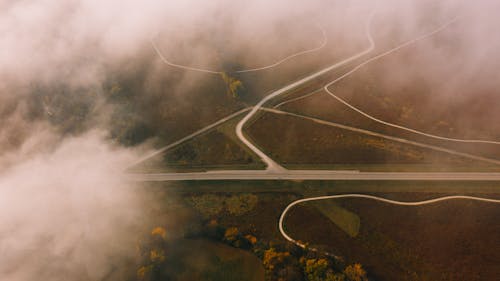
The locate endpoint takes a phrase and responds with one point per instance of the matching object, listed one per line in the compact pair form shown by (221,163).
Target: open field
(293,141)
(212,262)
(437,241)
(210,151)
(347,221)
(434,242)
(416,97)
(322,106)
(315,188)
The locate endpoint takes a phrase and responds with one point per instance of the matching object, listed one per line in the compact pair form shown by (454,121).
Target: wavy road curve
(211,71)
(392,124)
(271,164)
(376,198)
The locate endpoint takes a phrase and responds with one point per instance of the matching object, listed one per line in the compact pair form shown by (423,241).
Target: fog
(79,77)
(66,213)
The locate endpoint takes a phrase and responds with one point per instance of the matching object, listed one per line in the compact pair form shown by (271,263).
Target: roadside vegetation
(210,151)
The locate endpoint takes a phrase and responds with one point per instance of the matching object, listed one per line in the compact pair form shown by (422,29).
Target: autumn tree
(232,84)
(152,251)
(355,272)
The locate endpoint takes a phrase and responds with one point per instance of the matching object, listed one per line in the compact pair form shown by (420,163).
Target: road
(379,135)
(271,164)
(371,117)
(371,197)
(316,175)
(190,136)
(269,66)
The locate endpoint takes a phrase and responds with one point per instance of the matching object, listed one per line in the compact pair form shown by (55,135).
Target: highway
(316,175)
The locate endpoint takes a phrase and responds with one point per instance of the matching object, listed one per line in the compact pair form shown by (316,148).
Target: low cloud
(68,214)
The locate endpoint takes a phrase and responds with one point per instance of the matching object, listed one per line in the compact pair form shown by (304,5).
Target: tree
(315,269)
(273,260)
(232,84)
(355,272)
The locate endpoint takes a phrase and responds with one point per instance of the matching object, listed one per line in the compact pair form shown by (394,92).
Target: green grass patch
(346,220)
(213,204)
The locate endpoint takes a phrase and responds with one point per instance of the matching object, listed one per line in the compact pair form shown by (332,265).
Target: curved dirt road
(275,64)
(376,198)
(388,123)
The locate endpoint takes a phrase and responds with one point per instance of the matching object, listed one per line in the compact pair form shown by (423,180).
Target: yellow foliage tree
(273,259)
(232,84)
(157,256)
(355,272)
(159,231)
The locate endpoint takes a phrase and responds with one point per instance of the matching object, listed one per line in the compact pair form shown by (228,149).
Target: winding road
(376,198)
(275,171)
(272,166)
(275,64)
(388,123)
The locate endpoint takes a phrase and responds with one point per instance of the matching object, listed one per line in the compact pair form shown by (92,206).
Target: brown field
(200,259)
(323,106)
(452,240)
(295,141)
(435,95)
(212,150)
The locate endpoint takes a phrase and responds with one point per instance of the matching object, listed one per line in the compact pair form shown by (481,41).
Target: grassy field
(209,151)
(323,106)
(427,97)
(346,220)
(453,240)
(393,243)
(312,188)
(202,259)
(296,142)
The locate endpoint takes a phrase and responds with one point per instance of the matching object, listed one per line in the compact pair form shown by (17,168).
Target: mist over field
(83,94)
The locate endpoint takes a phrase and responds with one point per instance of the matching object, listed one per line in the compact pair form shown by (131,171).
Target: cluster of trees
(152,255)
(233,85)
(283,265)
(320,270)
(286,261)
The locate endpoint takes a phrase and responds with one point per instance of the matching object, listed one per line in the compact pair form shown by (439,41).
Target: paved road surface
(188,137)
(316,175)
(271,164)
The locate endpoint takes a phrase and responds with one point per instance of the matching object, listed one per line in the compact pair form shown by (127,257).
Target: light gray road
(375,134)
(188,137)
(371,197)
(271,164)
(275,64)
(358,110)
(316,175)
